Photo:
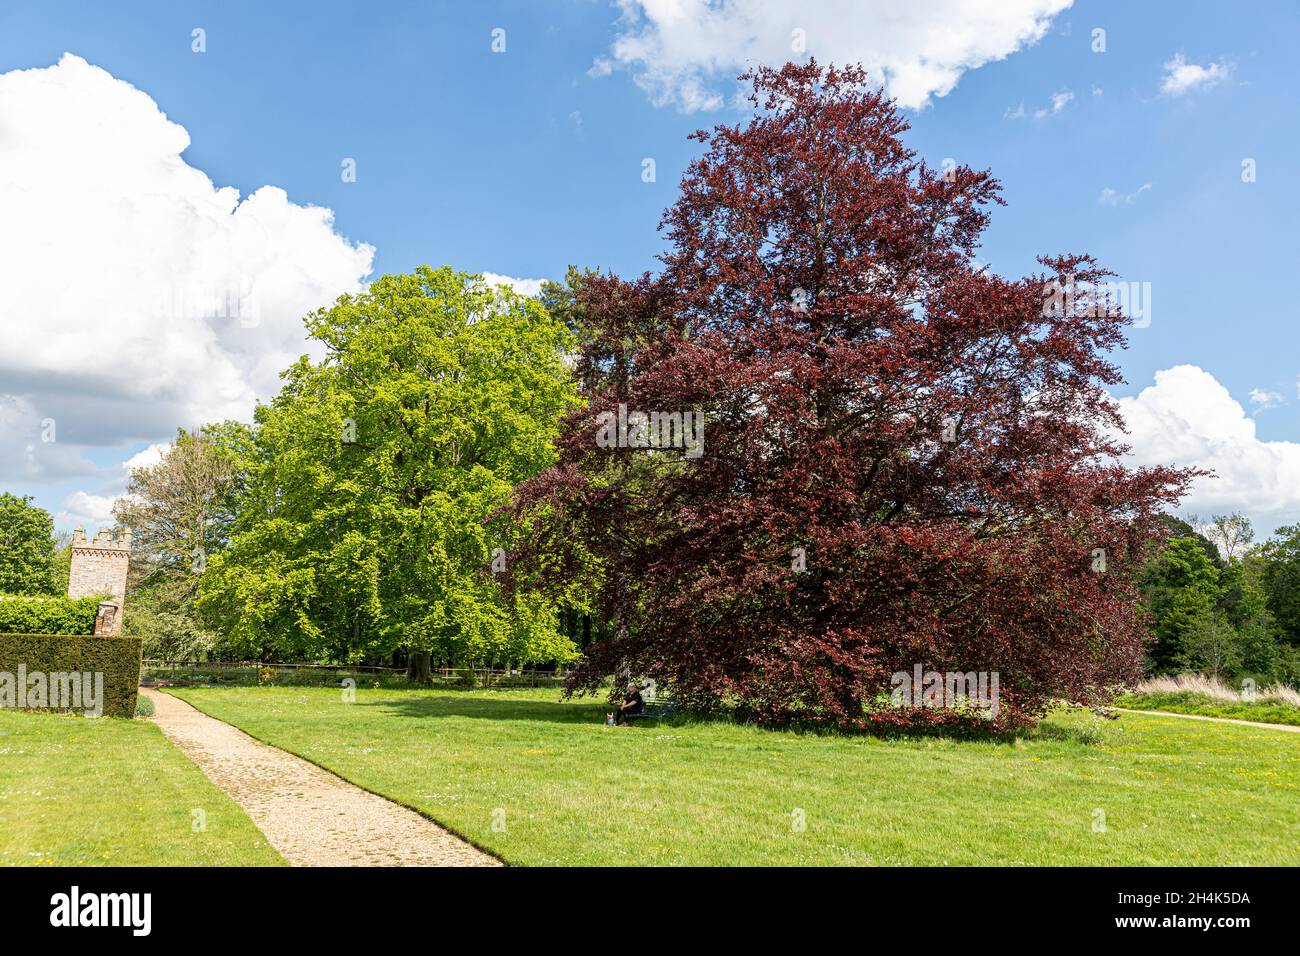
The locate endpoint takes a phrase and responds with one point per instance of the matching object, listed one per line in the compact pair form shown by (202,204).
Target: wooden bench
(662,706)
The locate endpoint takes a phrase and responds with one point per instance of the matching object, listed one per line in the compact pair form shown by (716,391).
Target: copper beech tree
(906,459)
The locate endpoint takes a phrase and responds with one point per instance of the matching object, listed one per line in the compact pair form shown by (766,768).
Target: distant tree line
(1224,605)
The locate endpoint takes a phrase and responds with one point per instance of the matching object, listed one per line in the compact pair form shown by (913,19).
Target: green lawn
(85,792)
(542,781)
(1205,706)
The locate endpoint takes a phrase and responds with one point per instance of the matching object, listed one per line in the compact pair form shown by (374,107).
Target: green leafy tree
(1210,604)
(1240,596)
(1178,528)
(61,567)
(364,525)
(1244,604)
(1180,588)
(28,563)
(1209,645)
(1257,649)
(1280,580)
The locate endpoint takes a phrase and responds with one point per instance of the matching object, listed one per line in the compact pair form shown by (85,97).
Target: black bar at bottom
(336,906)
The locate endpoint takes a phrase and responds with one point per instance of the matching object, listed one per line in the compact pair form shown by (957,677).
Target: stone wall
(99,567)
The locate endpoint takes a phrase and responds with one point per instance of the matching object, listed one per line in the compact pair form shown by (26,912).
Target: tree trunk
(417,668)
(622,601)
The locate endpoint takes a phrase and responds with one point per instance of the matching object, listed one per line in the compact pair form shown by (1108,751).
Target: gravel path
(1217,720)
(309,815)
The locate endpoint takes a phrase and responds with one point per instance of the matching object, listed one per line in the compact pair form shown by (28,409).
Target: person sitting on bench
(632,705)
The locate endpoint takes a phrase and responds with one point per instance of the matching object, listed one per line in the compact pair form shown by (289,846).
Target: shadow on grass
(591,712)
(466,704)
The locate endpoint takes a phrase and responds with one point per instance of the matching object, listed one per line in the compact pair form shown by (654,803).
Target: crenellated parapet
(103,540)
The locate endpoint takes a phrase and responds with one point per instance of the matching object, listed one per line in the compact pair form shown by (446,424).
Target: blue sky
(523,162)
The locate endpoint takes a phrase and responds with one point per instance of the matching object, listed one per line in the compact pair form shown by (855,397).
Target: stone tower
(99,567)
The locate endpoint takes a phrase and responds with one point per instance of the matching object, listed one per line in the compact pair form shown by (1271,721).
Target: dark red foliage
(940,445)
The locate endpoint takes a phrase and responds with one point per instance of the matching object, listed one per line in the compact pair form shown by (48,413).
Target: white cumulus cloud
(1183,77)
(682,52)
(138,296)
(83,510)
(524,287)
(1188,418)
(146,458)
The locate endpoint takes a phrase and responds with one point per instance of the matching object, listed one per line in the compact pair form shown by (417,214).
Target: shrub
(143,707)
(117,658)
(21,614)
(162,616)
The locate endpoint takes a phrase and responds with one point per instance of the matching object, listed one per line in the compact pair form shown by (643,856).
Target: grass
(1189,702)
(84,792)
(541,781)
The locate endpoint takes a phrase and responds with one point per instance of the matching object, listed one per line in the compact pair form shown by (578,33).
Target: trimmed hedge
(117,658)
(24,614)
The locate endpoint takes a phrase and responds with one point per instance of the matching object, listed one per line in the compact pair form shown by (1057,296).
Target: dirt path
(310,816)
(1217,720)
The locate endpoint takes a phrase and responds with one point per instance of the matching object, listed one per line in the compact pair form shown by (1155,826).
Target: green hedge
(22,614)
(116,658)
